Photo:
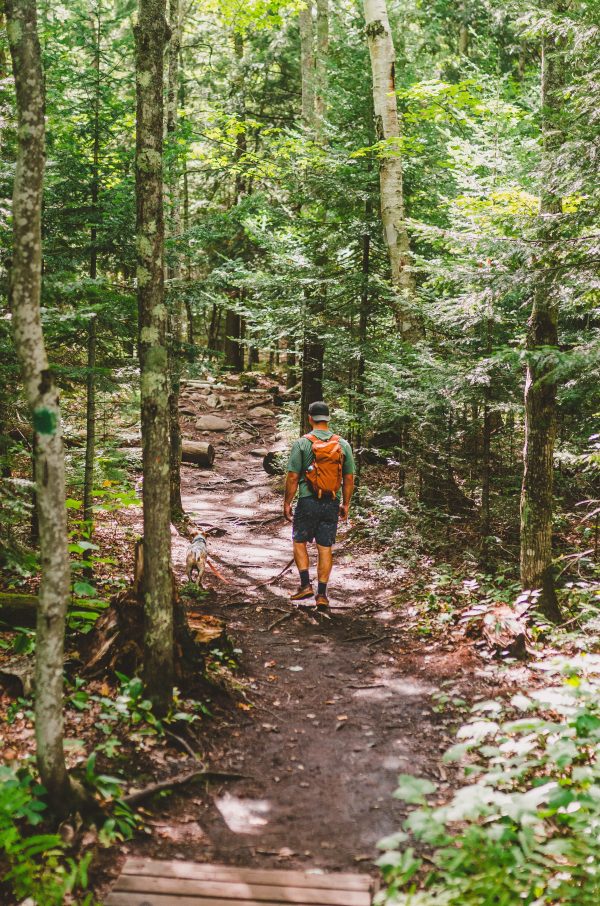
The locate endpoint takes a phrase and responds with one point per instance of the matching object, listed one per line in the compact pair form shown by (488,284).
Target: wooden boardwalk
(147,882)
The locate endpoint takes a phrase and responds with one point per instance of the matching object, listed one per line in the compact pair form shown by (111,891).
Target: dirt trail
(340,706)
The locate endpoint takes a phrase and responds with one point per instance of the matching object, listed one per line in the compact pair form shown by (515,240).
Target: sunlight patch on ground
(385,687)
(243,816)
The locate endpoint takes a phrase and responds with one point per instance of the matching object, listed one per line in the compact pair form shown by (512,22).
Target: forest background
(444,341)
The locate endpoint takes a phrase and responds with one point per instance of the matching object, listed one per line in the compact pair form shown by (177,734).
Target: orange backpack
(324,475)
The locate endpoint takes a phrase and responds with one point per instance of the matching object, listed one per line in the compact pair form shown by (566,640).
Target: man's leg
(325,563)
(302,562)
(301,556)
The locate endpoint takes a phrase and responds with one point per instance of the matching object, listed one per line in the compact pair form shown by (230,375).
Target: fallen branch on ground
(279,620)
(162,785)
(278,576)
(182,742)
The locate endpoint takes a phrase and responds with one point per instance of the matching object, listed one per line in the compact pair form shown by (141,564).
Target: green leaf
(414,789)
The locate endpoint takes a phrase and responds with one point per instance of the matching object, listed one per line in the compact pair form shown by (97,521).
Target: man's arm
(347,491)
(291,486)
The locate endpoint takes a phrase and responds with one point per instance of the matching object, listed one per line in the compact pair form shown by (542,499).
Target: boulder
(212,423)
(260,412)
(214,401)
(260,452)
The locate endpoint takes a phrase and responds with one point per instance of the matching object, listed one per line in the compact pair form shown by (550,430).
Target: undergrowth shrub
(34,865)
(525,827)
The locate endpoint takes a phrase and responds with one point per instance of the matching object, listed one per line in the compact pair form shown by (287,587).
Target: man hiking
(321,468)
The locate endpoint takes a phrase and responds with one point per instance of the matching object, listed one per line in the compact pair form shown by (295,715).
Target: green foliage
(522,828)
(35,865)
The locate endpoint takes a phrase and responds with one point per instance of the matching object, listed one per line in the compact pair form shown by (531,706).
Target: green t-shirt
(301,456)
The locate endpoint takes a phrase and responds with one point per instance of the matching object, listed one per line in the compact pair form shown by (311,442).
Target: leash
(216,572)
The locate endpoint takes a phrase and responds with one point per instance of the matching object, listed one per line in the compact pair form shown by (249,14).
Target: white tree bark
(307,63)
(321,63)
(42,396)
(387,128)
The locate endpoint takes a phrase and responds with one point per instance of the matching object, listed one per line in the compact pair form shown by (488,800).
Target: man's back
(302,456)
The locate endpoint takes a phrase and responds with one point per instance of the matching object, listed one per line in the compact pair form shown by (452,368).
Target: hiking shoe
(302,593)
(322,602)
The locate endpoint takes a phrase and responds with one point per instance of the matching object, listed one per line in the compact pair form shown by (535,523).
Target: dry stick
(279,620)
(371,686)
(153,788)
(278,576)
(259,521)
(380,639)
(183,742)
(359,638)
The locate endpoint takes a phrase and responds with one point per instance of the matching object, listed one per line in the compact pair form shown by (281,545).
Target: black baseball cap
(319,411)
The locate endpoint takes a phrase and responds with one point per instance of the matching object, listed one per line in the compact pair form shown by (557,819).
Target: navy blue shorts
(316,520)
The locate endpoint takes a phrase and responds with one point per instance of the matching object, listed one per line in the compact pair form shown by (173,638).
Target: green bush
(525,829)
(34,865)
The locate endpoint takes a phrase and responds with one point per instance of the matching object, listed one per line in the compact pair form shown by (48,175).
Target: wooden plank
(201,871)
(120,898)
(235,890)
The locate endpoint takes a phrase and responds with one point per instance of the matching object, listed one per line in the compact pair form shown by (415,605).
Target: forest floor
(332,709)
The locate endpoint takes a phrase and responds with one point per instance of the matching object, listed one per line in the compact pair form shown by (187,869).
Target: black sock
(322,588)
(304,577)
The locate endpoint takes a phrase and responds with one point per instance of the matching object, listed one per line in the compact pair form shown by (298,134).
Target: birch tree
(151,41)
(42,397)
(321,64)
(307,62)
(540,386)
(387,129)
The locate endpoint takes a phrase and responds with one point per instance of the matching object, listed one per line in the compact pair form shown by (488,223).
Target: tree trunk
(90,415)
(307,63)
(177,309)
(151,39)
(363,320)
(313,349)
(387,129)
(312,376)
(42,396)
(540,388)
(234,351)
(253,357)
(290,365)
(486,458)
(463,31)
(321,64)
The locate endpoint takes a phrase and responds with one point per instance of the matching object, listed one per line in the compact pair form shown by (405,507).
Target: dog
(195,561)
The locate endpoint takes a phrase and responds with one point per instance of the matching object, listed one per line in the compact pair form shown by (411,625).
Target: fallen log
(18,609)
(197,452)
